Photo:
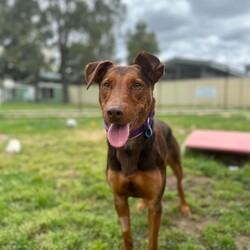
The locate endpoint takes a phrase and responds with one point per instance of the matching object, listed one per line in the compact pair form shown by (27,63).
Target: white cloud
(212,40)
(213,30)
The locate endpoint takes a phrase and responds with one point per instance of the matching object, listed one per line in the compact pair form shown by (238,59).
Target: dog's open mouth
(119,134)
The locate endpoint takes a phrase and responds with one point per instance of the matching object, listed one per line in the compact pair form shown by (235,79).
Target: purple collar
(145,128)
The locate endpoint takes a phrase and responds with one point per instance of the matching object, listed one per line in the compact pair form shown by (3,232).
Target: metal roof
(203,63)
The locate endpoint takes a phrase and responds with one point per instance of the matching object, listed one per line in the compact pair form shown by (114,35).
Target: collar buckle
(148,131)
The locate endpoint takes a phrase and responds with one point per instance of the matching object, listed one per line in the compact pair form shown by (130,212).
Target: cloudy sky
(217,30)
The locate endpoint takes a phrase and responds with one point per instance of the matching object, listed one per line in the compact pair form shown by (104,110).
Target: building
(48,89)
(180,68)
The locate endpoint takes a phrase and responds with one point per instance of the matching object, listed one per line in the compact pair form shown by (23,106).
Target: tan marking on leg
(124,223)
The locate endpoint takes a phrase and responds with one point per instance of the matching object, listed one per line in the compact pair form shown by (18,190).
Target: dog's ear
(151,66)
(95,71)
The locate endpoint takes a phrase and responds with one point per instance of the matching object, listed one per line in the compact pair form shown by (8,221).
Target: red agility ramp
(215,140)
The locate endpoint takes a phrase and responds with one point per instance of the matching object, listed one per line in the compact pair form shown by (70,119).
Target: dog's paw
(185,210)
(141,205)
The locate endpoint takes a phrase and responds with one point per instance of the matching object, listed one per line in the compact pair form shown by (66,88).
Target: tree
(22,36)
(141,39)
(77,31)
(83,32)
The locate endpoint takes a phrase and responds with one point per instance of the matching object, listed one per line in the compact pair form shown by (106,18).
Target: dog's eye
(106,85)
(137,85)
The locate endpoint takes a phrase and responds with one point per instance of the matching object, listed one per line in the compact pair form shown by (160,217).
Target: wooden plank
(216,140)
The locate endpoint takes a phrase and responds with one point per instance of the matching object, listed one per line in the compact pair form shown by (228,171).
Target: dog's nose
(115,112)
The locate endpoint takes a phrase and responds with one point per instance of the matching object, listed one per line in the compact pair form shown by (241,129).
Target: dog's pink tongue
(118,135)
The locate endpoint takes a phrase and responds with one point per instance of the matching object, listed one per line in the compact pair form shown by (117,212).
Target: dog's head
(125,92)
(150,66)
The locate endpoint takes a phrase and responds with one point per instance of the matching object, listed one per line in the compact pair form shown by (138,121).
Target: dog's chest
(140,154)
(133,160)
(129,160)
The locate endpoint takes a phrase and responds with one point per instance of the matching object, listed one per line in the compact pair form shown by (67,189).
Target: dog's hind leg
(179,175)
(174,161)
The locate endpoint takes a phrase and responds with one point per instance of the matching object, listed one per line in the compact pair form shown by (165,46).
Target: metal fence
(197,93)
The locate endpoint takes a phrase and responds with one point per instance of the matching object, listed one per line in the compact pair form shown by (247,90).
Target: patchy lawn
(54,195)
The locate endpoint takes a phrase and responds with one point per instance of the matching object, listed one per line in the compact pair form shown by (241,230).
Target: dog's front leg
(154,221)
(122,209)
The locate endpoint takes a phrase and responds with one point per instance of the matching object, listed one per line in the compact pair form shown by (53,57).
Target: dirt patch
(95,135)
(192,225)
(3,137)
(242,242)
(199,180)
(188,181)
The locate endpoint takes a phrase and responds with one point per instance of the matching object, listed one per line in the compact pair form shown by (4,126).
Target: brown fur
(138,169)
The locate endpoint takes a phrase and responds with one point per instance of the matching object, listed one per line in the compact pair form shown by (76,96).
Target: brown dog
(139,147)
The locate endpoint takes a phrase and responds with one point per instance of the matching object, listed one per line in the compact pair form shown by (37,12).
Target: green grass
(43,106)
(54,195)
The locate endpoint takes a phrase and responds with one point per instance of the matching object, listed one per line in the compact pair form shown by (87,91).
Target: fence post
(226,89)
